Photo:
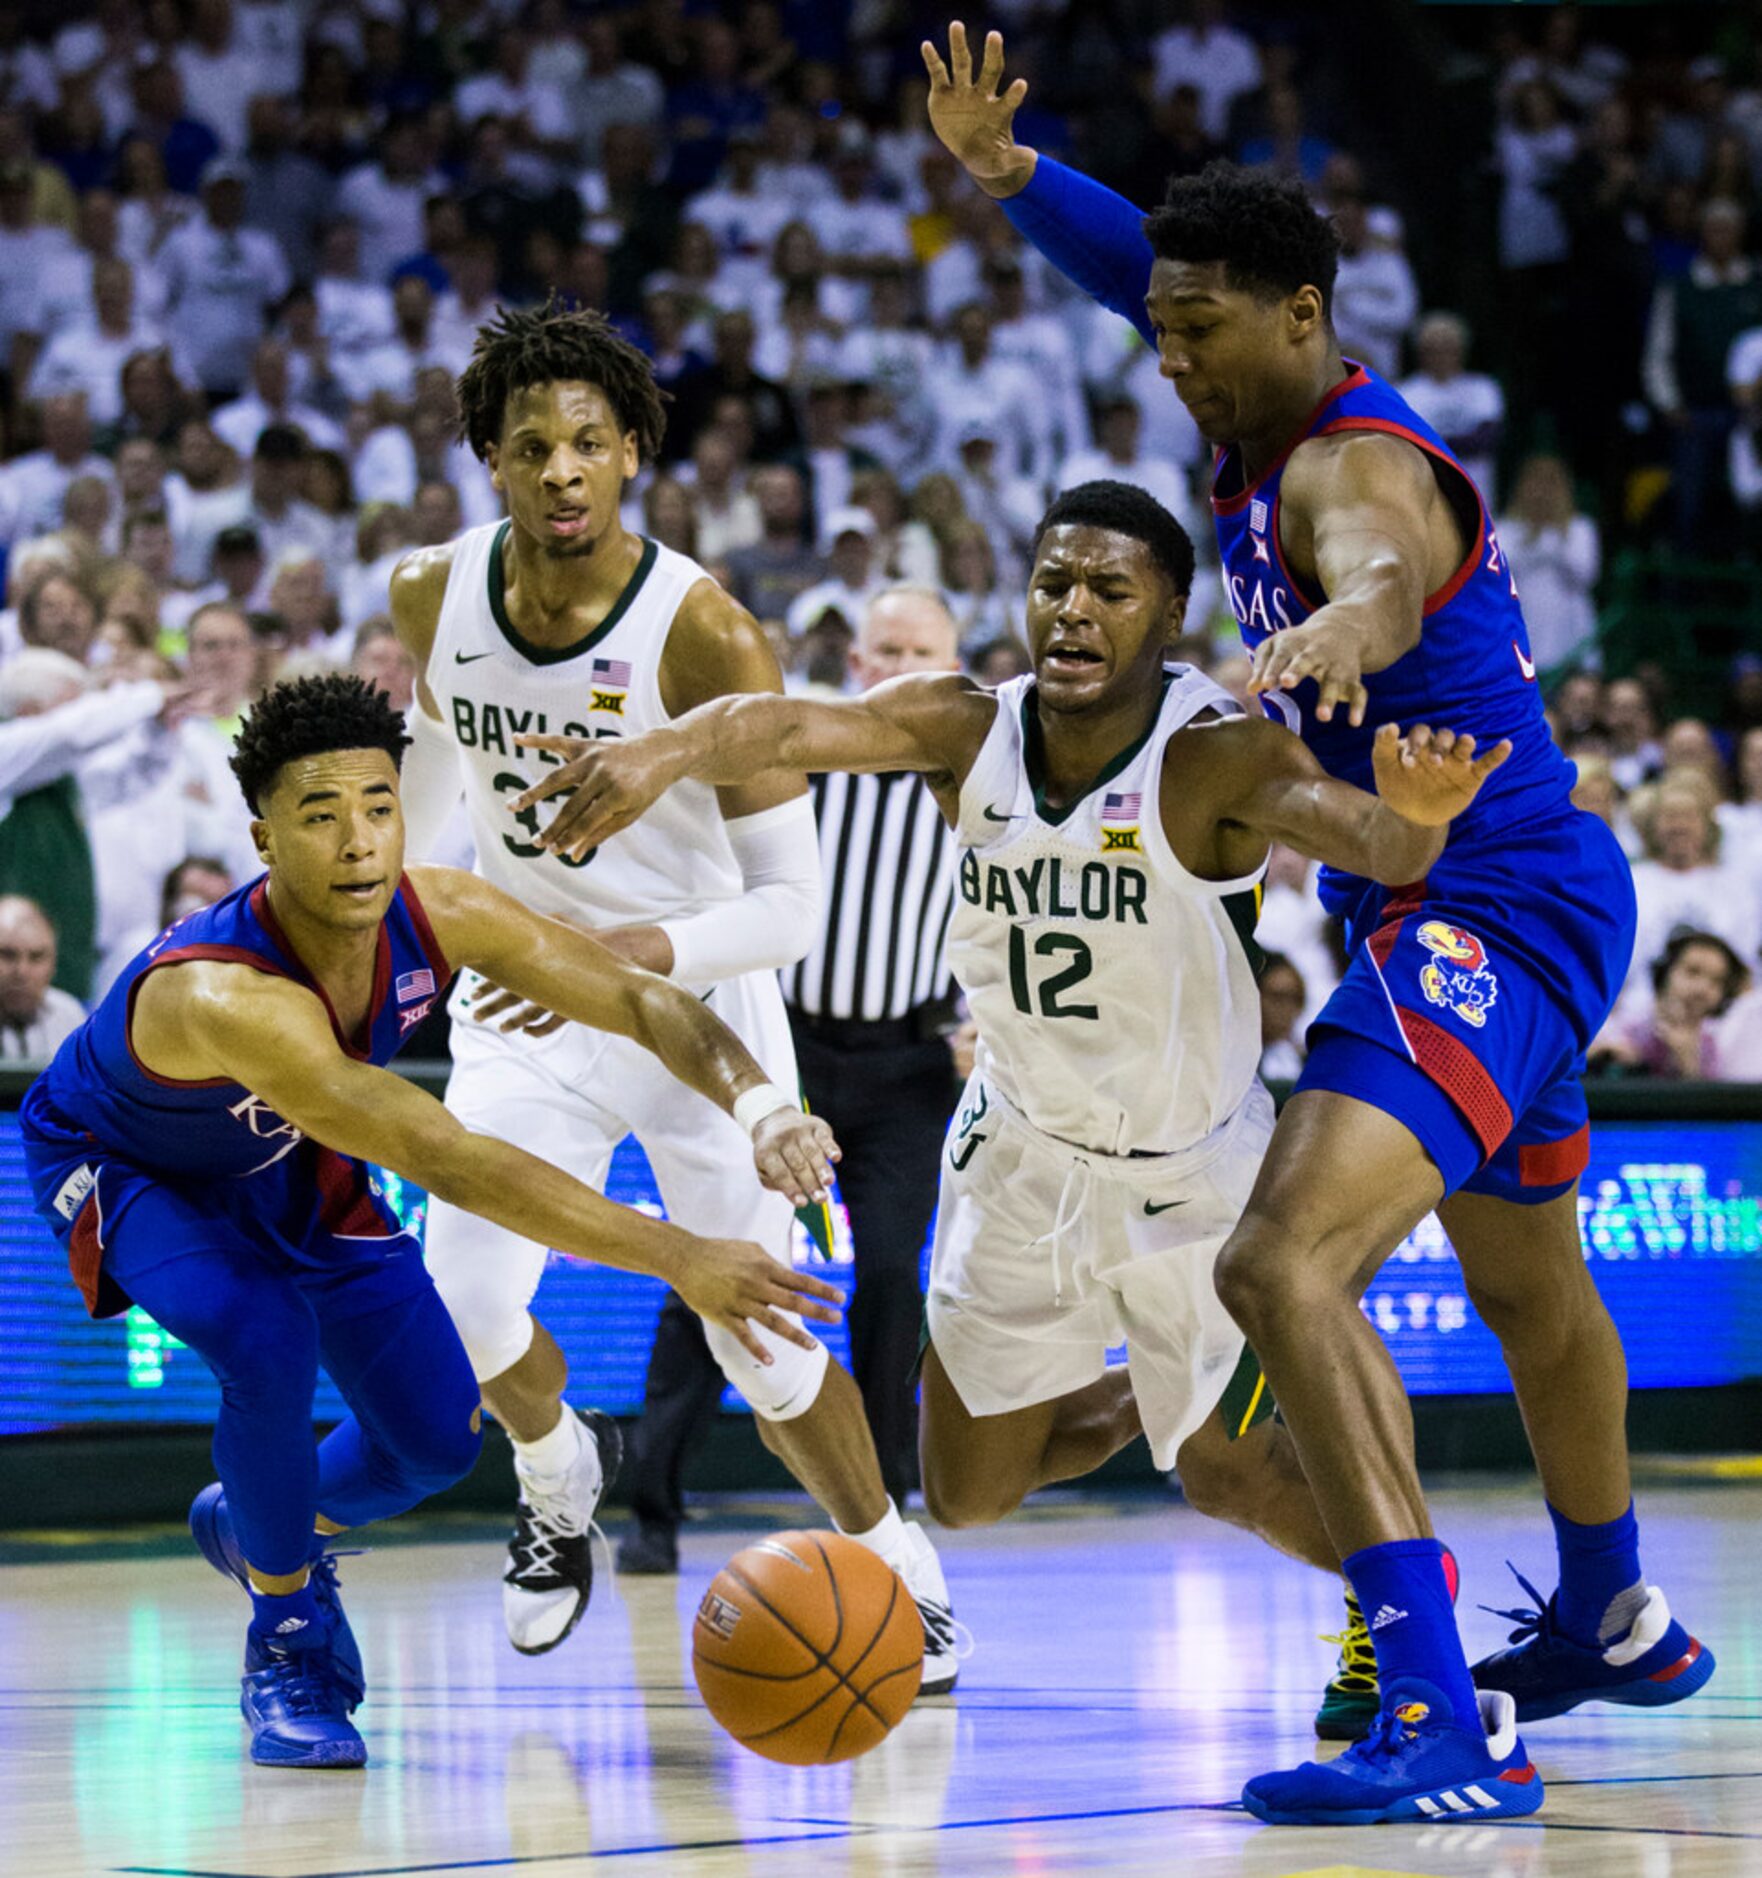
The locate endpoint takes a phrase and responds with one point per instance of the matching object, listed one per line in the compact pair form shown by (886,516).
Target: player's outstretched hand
(1430,776)
(794,1154)
(490,1002)
(1317,649)
(972,119)
(734,1283)
(606,782)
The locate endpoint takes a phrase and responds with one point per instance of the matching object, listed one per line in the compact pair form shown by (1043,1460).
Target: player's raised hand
(973,120)
(1320,649)
(1430,776)
(734,1283)
(608,783)
(794,1153)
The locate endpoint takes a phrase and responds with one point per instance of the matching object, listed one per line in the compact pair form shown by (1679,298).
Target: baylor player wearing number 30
(1446,1072)
(1113,817)
(560,620)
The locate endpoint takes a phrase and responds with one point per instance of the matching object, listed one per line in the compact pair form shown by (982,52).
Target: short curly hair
(550,345)
(1126,509)
(309,717)
(1262,226)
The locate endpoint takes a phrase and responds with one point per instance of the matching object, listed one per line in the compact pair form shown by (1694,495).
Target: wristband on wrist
(751,1106)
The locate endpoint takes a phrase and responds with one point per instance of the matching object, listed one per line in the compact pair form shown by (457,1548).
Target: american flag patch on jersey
(414,985)
(1257,516)
(1122,808)
(611,672)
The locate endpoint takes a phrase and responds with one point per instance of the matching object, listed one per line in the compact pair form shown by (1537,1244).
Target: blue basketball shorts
(1472,996)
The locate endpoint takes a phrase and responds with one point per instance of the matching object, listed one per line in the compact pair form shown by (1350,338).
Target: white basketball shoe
(921,1570)
(549,1575)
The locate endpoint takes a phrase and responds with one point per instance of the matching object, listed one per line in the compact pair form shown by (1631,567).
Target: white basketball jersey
(1113,990)
(491,686)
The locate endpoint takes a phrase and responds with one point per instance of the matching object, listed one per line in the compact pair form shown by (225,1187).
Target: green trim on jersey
(1244,911)
(1246,1401)
(1034,764)
(555,655)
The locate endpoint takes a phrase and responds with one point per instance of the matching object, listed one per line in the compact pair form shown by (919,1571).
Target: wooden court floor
(1134,1664)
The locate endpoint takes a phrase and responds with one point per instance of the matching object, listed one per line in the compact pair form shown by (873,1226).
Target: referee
(872,1009)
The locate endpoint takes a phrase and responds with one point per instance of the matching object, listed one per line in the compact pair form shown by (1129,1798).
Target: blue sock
(292,1621)
(1406,1602)
(1602,1589)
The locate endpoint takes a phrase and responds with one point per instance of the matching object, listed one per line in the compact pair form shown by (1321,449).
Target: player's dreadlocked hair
(309,717)
(546,345)
(1263,228)
(1126,509)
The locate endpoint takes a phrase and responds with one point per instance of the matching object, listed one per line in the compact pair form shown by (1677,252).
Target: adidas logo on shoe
(1385,1617)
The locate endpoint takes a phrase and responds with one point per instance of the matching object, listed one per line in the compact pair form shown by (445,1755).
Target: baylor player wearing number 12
(1113,816)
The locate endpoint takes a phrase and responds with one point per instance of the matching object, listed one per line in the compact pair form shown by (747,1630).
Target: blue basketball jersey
(1471,670)
(220,1130)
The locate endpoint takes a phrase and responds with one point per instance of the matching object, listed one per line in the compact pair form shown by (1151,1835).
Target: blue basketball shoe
(1417,1763)
(211,1528)
(1546,1673)
(297,1705)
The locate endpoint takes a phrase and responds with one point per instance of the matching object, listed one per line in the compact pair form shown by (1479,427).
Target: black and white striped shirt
(889,863)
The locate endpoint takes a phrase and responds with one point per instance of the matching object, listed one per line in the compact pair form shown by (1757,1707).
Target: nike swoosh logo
(1151,1209)
(470,658)
(991,815)
(1525,665)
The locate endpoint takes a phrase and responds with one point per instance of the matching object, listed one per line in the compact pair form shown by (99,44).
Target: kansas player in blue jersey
(1444,1074)
(199,1146)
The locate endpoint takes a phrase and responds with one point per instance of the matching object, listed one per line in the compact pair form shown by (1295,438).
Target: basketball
(807,1648)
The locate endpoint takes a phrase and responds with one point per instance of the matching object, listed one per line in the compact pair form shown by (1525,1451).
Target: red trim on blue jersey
(345,1207)
(1462,1076)
(437,959)
(382,973)
(1233,505)
(182,955)
(1400,907)
(85,1254)
(1554,1163)
(1457,581)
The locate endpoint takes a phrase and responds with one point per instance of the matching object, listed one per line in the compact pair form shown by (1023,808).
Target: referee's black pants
(888,1095)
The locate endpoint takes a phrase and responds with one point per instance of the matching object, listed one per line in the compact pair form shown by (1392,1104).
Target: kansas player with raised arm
(1444,1074)
(198,1147)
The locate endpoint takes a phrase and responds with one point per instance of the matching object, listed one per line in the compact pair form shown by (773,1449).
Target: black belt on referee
(919,1025)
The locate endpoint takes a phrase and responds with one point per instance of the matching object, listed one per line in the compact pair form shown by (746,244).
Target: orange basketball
(807,1648)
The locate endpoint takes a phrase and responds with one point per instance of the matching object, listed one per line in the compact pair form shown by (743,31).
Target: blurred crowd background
(245,245)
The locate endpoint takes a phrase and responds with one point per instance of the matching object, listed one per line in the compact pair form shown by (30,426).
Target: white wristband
(751,1106)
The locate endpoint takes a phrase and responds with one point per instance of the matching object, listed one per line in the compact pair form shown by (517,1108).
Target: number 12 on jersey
(1050,990)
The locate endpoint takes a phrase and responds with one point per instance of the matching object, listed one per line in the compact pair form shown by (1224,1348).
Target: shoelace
(305,1681)
(1389,1734)
(944,1633)
(1534,1623)
(1358,1656)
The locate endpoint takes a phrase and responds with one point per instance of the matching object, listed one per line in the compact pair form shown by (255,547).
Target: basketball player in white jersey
(1113,816)
(560,620)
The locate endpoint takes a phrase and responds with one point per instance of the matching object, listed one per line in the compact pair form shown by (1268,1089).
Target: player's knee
(440,1449)
(1253,1275)
(778,1391)
(1216,1477)
(954,1498)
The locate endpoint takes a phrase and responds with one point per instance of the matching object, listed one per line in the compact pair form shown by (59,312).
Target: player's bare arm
(1251,781)
(974,119)
(1363,518)
(211,1019)
(932,723)
(419,585)
(569,972)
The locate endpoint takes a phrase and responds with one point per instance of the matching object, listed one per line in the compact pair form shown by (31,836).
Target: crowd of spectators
(245,246)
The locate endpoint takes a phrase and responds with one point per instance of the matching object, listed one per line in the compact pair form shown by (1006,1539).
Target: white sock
(886,1538)
(553,1455)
